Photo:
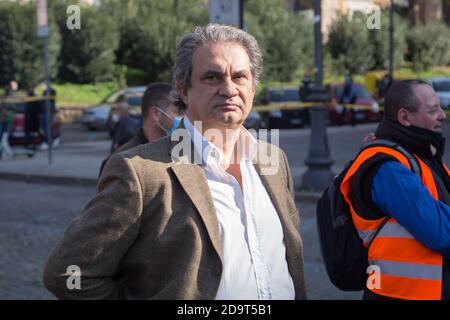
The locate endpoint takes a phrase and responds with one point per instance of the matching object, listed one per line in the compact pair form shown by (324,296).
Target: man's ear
(182,92)
(403,117)
(153,113)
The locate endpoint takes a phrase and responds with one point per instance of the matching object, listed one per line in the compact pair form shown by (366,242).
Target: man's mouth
(228,106)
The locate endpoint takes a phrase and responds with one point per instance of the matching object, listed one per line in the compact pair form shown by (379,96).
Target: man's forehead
(426,95)
(212,56)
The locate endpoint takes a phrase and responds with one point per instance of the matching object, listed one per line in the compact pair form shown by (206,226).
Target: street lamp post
(319,174)
(43,31)
(241,14)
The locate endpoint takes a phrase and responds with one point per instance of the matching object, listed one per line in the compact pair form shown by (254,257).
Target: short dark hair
(159,94)
(401,95)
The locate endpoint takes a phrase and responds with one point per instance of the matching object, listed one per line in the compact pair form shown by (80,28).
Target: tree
(349,44)
(380,41)
(149,31)
(286,39)
(21,50)
(88,54)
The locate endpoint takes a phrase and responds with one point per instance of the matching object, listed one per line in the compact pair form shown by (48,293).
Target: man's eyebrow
(243,71)
(212,73)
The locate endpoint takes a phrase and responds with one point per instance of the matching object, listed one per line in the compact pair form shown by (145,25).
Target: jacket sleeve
(399,193)
(96,241)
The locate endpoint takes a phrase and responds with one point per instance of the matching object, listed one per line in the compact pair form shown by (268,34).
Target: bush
(21,50)
(349,44)
(429,45)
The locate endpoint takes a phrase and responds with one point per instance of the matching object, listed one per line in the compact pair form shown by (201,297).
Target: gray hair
(202,35)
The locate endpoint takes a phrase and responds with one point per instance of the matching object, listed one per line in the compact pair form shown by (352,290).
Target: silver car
(442,88)
(99,116)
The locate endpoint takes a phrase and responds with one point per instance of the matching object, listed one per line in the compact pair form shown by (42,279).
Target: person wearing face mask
(161,114)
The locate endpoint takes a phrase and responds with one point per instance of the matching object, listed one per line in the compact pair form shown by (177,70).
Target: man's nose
(228,88)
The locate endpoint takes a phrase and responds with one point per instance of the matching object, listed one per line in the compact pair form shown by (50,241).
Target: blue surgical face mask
(175,123)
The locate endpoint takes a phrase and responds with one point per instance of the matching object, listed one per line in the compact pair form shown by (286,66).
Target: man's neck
(226,143)
(151,133)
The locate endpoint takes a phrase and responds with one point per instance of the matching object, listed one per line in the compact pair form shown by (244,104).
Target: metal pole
(47,101)
(318,66)
(391,40)
(241,14)
(318,175)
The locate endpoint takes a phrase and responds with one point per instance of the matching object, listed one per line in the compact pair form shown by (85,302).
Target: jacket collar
(425,143)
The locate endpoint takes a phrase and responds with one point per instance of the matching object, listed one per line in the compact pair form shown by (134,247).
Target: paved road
(34,216)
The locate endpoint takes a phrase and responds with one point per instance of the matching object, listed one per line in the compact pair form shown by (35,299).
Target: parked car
(254,121)
(279,98)
(339,114)
(101,116)
(442,88)
(17,134)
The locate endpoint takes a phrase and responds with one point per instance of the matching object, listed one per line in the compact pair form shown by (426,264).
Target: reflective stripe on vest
(408,269)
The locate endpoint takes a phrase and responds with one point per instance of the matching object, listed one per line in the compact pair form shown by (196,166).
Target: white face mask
(175,123)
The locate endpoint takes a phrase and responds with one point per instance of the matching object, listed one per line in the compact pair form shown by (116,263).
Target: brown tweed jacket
(151,231)
(137,140)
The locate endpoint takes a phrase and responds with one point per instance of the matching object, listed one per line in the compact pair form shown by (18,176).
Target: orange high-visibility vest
(408,269)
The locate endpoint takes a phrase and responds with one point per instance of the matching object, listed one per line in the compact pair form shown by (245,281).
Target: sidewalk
(75,163)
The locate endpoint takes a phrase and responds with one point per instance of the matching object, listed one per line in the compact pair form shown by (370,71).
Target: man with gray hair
(164,226)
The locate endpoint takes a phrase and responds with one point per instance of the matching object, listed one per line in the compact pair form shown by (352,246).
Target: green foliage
(149,31)
(349,44)
(21,50)
(88,54)
(380,41)
(286,39)
(429,45)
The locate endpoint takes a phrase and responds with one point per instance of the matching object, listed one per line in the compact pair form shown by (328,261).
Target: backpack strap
(415,166)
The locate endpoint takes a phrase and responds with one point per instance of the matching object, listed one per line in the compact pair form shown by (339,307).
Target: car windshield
(360,91)
(442,86)
(134,100)
(113,97)
(280,95)
(18,107)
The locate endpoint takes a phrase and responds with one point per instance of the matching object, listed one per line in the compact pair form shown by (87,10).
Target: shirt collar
(247,144)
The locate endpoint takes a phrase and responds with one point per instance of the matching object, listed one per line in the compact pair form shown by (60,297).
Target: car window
(442,86)
(113,97)
(361,92)
(280,95)
(17,107)
(134,100)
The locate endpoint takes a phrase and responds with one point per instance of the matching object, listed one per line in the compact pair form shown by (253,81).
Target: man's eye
(241,77)
(211,78)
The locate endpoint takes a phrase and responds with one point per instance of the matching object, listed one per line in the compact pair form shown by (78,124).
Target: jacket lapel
(187,172)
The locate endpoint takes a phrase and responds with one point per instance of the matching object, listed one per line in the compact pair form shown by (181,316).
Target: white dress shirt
(253,250)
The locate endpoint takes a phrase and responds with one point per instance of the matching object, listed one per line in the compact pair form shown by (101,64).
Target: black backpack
(343,252)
